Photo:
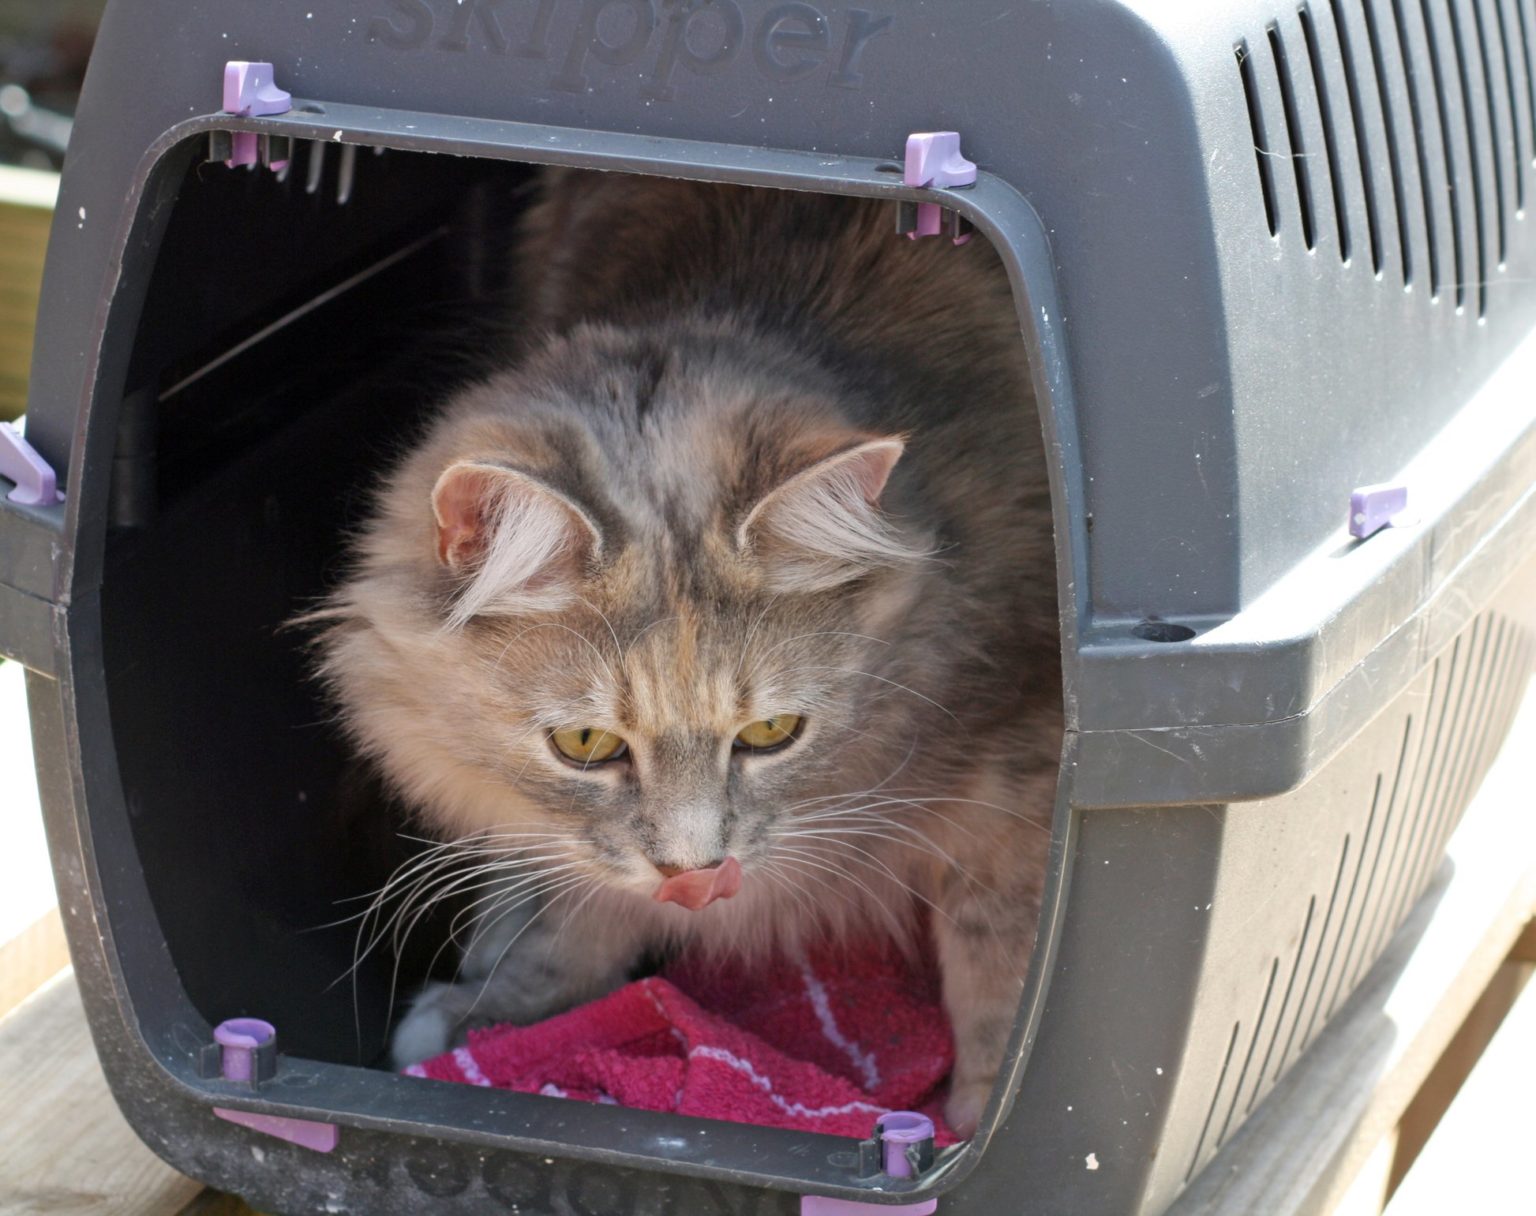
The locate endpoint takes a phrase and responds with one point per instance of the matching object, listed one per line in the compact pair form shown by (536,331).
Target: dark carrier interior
(260,406)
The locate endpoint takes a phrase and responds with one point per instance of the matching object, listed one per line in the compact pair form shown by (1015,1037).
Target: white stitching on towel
(469,1067)
(864,1061)
(763,1083)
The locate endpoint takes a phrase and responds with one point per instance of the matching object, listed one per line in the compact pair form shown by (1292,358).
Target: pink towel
(826,1043)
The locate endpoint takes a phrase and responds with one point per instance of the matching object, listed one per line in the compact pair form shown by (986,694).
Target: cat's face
(651,640)
(687,735)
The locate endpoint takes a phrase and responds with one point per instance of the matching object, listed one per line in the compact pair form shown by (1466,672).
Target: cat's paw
(964,1106)
(428,1029)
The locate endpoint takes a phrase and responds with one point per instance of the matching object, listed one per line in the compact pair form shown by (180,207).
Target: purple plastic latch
(934,162)
(899,1131)
(250,90)
(239,1041)
(36,483)
(1372,508)
(896,1132)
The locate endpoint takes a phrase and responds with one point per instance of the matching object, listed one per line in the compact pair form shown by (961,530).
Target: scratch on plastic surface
(1141,738)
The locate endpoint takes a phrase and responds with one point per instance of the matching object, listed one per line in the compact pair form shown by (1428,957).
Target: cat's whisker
(375,898)
(371,925)
(770,873)
(451,848)
(471,840)
(507,902)
(500,888)
(820,633)
(553,893)
(879,829)
(618,648)
(962,871)
(865,858)
(896,684)
(503,905)
(874,789)
(866,818)
(1012,812)
(928,804)
(421,873)
(757,621)
(440,875)
(597,887)
(392,927)
(821,860)
(499,879)
(804,859)
(496,915)
(601,658)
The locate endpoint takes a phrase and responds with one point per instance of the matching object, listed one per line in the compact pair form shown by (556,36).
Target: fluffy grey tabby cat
(725,616)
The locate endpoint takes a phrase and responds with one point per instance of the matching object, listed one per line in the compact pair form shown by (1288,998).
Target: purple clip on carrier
(251,91)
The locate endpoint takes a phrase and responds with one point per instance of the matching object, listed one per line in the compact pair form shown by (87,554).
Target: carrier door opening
(600,598)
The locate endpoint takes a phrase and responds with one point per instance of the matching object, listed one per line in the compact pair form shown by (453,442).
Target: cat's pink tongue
(695,889)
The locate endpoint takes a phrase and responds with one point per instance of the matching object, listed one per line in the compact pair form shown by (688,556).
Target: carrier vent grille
(1384,862)
(1407,130)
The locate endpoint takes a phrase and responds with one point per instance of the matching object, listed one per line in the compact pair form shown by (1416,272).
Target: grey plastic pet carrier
(1275,269)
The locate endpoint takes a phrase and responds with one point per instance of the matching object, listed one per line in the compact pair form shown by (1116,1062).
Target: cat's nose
(671,871)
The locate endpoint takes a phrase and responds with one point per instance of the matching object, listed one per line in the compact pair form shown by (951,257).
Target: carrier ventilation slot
(1425,131)
(1262,152)
(1384,863)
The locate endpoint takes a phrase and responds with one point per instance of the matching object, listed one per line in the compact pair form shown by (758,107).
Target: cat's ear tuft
(517,542)
(823,525)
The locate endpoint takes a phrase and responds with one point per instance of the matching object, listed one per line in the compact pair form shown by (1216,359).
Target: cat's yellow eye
(588,744)
(769,733)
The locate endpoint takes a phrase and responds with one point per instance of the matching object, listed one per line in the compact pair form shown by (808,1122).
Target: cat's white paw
(427,1030)
(963,1107)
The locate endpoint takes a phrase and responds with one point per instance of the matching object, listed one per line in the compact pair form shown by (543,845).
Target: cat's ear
(823,525)
(517,541)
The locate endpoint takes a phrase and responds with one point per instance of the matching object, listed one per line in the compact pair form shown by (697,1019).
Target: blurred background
(44,46)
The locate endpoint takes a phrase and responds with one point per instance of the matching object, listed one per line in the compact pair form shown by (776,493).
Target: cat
(723,614)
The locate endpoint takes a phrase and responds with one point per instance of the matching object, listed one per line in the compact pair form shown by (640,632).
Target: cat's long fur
(671,517)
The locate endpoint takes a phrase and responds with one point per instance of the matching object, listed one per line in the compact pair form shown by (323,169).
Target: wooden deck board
(68,1152)
(1479,1157)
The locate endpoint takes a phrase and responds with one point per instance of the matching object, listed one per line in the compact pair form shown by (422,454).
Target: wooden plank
(1454,1066)
(1308,1141)
(1479,1157)
(26,880)
(1525,945)
(67,1150)
(30,959)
